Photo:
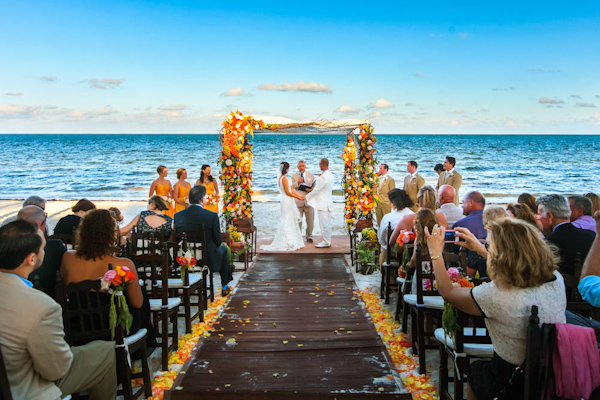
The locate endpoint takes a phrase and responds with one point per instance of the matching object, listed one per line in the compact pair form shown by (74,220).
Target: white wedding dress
(288,236)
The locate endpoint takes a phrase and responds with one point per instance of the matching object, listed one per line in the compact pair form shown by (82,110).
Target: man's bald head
(446,194)
(33,215)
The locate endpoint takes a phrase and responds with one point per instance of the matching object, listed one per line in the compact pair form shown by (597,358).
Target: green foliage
(366,256)
(450,320)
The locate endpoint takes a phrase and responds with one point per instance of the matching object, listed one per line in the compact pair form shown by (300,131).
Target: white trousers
(325,225)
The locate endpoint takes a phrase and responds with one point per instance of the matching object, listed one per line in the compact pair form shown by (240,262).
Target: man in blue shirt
(589,286)
(473,205)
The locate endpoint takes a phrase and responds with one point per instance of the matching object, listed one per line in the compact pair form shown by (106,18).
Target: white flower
(104,285)
(228,162)
(369,147)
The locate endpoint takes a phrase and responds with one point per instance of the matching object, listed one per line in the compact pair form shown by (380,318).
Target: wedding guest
(67,225)
(212,189)
(452,212)
(401,204)
(595,202)
(492,213)
(30,201)
(581,213)
(450,177)
(424,218)
(413,182)
(162,187)
(523,212)
(426,199)
(181,191)
(524,273)
(589,286)
(45,277)
(573,243)
(153,220)
(529,201)
(439,168)
(302,181)
(386,183)
(117,215)
(196,218)
(473,205)
(39,363)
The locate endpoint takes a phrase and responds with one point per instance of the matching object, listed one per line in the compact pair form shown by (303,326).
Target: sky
(436,67)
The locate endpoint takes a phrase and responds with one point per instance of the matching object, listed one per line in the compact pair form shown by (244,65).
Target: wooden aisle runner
(292,330)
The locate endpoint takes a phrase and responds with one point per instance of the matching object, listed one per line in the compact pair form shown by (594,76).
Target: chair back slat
(157,269)
(423,276)
(68,240)
(146,243)
(532,356)
(195,243)
(468,322)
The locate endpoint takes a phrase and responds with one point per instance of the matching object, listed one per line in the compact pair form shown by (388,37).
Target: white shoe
(322,245)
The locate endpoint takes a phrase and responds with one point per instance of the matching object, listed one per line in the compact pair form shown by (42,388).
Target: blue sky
(179,67)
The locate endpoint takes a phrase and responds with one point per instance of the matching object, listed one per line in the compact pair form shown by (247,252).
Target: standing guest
(196,218)
(529,201)
(453,213)
(153,220)
(39,363)
(450,177)
(67,225)
(595,202)
(386,183)
(401,206)
(181,190)
(162,187)
(573,243)
(413,183)
(303,181)
(581,213)
(523,272)
(212,189)
(589,286)
(439,168)
(45,277)
(30,201)
(473,205)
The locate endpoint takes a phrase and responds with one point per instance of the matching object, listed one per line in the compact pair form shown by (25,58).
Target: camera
(450,236)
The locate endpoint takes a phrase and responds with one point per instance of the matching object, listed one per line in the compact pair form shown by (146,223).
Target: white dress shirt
(394,218)
(452,212)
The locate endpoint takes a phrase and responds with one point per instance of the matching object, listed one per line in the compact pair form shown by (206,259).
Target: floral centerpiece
(186,262)
(405,237)
(450,315)
(114,282)
(367,177)
(350,182)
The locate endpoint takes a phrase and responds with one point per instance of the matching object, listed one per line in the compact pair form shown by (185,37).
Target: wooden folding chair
(246,227)
(354,232)
(4,384)
(67,240)
(388,267)
(404,288)
(146,243)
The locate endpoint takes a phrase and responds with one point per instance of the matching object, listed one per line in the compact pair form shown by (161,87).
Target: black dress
(67,225)
(143,227)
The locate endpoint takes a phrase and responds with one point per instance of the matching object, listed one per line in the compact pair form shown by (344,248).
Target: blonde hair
(522,212)
(595,201)
(517,257)
(425,217)
(180,172)
(427,198)
(493,213)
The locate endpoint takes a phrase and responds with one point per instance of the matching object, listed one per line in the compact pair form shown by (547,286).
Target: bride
(288,236)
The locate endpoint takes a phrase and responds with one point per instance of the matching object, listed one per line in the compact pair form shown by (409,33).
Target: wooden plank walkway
(293,329)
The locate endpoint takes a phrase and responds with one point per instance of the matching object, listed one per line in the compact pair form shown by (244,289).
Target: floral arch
(360,179)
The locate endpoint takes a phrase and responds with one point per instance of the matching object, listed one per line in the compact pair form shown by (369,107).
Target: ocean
(122,167)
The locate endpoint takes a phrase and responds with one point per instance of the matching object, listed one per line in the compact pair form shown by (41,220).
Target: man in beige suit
(386,183)
(39,363)
(450,177)
(413,183)
(303,181)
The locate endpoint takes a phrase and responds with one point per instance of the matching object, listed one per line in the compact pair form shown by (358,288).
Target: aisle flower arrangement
(367,176)
(397,344)
(236,165)
(349,182)
(114,282)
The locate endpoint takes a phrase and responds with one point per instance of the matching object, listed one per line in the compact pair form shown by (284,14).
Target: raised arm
(127,228)
(592,262)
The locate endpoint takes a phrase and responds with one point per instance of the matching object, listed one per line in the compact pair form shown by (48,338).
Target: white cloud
(48,107)
(14,94)
(235,92)
(17,111)
(547,100)
(484,110)
(409,104)
(576,96)
(507,89)
(382,103)
(48,79)
(374,114)
(511,123)
(297,87)
(104,111)
(174,107)
(346,109)
(104,83)
(587,105)
(459,111)
(596,118)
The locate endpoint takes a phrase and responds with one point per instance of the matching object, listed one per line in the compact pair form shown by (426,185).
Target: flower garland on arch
(367,177)
(236,165)
(349,182)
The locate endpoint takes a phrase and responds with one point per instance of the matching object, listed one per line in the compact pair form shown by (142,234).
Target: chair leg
(164,345)
(405,312)
(212,287)
(187,306)
(146,380)
(382,286)
(398,304)
(124,374)
(413,329)
(175,331)
(443,378)
(205,290)
(458,378)
(421,342)
(388,284)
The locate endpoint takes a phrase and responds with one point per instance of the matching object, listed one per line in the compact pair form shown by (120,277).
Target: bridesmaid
(212,189)
(163,188)
(181,191)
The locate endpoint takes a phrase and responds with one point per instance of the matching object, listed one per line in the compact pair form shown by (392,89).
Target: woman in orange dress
(181,191)
(212,189)
(162,187)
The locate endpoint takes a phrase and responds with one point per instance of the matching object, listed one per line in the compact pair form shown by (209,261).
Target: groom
(321,200)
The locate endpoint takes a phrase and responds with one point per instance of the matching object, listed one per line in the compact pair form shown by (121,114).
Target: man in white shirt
(400,202)
(453,213)
(386,183)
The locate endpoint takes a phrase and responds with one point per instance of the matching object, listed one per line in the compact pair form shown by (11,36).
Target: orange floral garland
(350,181)
(367,177)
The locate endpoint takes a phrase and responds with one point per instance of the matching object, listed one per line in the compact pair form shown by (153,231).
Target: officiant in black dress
(302,182)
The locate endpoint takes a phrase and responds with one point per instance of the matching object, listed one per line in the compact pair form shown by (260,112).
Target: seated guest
(39,363)
(196,218)
(528,200)
(493,213)
(589,286)
(573,243)
(524,273)
(473,205)
(401,204)
(581,213)
(117,215)
(452,212)
(45,277)
(152,220)
(424,218)
(523,212)
(67,225)
(30,201)
(595,202)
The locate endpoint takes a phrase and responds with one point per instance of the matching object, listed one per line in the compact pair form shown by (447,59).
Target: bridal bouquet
(185,262)
(115,281)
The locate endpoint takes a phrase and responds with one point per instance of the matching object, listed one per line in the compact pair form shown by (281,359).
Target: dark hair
(97,235)
(197,193)
(414,164)
(522,212)
(451,160)
(18,240)
(210,178)
(160,169)
(325,162)
(83,205)
(425,217)
(387,167)
(582,203)
(400,199)
(116,214)
(529,201)
(158,203)
(438,167)
(286,167)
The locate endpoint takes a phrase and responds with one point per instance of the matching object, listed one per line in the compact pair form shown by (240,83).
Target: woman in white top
(523,270)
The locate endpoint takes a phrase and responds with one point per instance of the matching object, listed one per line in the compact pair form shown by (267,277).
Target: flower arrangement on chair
(114,282)
(405,237)
(450,315)
(186,262)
